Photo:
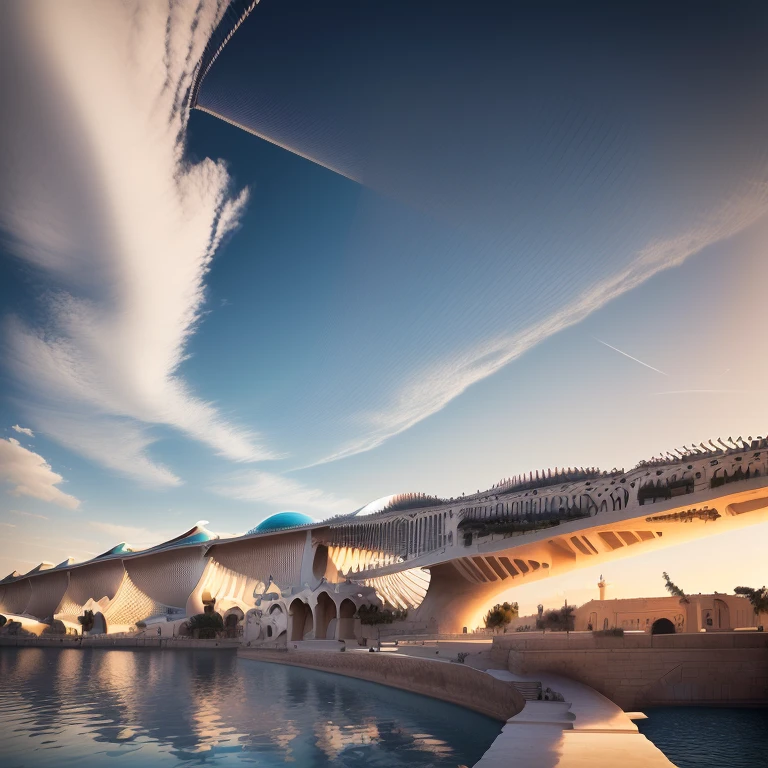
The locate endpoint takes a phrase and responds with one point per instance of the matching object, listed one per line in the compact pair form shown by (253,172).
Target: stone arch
(320,562)
(232,619)
(301,622)
(325,617)
(234,614)
(722,615)
(662,627)
(99,624)
(346,622)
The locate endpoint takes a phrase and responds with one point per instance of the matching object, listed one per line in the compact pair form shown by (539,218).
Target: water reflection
(87,707)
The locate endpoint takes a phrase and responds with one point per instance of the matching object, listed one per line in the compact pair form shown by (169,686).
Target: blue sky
(220,329)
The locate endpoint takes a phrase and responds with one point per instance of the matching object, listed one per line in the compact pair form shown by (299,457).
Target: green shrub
(557,620)
(206,624)
(371,615)
(87,620)
(501,615)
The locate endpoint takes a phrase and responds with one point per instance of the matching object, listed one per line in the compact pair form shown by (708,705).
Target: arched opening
(347,611)
(662,627)
(230,624)
(320,561)
(325,613)
(301,620)
(99,624)
(722,615)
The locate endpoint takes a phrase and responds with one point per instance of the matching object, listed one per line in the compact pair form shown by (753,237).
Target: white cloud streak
(23,430)
(29,474)
(28,514)
(431,389)
(97,193)
(253,485)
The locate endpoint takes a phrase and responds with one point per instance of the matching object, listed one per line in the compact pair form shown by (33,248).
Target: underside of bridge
(462,589)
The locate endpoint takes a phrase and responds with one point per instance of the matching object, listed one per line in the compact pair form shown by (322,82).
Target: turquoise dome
(282,520)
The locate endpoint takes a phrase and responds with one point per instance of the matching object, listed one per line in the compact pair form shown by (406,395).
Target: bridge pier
(453,602)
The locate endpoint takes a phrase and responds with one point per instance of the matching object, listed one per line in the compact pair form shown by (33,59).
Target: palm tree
(87,621)
(673,589)
(758,598)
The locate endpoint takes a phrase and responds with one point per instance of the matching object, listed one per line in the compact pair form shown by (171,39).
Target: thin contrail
(711,391)
(630,356)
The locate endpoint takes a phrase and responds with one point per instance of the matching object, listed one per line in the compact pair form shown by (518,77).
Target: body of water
(93,707)
(709,737)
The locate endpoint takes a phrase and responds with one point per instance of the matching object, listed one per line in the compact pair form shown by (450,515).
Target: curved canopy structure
(376,506)
(119,549)
(282,520)
(198,534)
(44,566)
(11,576)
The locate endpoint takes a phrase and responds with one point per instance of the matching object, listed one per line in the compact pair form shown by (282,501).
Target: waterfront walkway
(584,730)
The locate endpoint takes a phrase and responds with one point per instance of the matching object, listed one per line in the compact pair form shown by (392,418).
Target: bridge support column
(454,602)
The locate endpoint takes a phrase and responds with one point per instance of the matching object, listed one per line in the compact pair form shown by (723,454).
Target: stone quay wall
(454,683)
(108,641)
(636,671)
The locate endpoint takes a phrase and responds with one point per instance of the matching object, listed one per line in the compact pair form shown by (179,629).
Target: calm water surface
(97,707)
(705,737)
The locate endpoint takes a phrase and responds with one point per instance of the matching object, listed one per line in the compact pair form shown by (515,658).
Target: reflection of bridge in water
(444,562)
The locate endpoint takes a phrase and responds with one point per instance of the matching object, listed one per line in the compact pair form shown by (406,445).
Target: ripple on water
(85,708)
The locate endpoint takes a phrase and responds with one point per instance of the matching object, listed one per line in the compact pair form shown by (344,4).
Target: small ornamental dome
(282,520)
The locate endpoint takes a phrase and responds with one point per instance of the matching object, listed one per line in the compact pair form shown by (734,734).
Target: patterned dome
(282,520)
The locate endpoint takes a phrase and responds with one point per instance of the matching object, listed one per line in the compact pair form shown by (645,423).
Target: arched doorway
(99,624)
(722,615)
(662,627)
(231,621)
(347,612)
(301,620)
(325,617)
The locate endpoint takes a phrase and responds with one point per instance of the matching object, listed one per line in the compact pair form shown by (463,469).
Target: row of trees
(371,615)
(557,620)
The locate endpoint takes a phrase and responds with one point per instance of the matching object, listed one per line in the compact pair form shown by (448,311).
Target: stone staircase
(530,691)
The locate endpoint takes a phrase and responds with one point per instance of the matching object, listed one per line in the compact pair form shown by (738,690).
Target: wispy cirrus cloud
(97,193)
(702,391)
(430,389)
(29,474)
(28,514)
(270,488)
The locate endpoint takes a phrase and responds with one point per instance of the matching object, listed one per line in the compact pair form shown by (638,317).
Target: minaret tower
(601,586)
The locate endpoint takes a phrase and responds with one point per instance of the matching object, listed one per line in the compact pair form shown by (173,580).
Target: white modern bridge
(445,561)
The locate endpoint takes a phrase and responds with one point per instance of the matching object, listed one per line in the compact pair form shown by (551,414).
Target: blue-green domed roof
(282,520)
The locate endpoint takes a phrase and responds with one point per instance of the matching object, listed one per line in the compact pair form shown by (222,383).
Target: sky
(475,241)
